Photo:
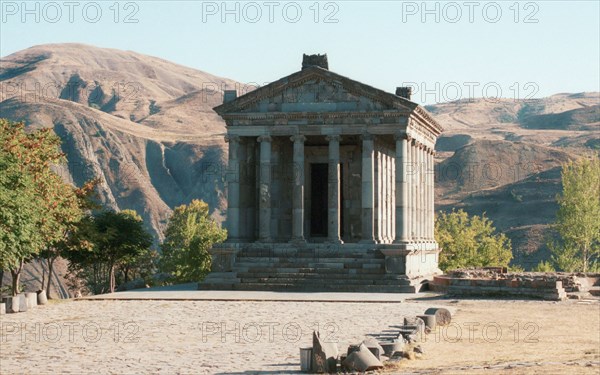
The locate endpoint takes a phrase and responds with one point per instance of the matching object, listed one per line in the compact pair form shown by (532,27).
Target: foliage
(578,216)
(118,239)
(189,235)
(544,266)
(30,193)
(470,241)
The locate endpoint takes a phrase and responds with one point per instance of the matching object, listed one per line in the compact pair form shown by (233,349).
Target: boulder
(442,316)
(32,299)
(324,355)
(361,360)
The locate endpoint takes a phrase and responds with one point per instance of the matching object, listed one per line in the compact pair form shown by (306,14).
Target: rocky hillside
(146,127)
(503,158)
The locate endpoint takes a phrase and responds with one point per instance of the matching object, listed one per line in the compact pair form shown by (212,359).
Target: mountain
(146,127)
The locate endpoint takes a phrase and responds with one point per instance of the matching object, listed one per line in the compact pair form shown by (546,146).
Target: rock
(361,360)
(442,315)
(374,347)
(31,299)
(415,321)
(324,355)
(42,298)
(418,349)
(2,308)
(22,302)
(429,321)
(12,304)
(390,348)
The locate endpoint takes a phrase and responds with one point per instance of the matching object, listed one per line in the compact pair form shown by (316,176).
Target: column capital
(333,138)
(367,137)
(401,136)
(264,138)
(232,138)
(298,138)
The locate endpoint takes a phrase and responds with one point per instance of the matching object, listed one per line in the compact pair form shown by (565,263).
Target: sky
(444,50)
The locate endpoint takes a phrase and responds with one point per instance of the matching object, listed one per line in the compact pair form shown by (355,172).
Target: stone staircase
(315,269)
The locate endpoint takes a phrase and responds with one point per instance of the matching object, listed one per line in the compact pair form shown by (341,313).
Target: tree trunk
(16,277)
(585,258)
(112,278)
(50,268)
(43,273)
(1,277)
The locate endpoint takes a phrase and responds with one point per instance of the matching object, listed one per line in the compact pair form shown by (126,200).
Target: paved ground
(189,292)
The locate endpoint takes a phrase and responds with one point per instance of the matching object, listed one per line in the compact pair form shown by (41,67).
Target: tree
(470,241)
(118,238)
(26,183)
(188,237)
(578,216)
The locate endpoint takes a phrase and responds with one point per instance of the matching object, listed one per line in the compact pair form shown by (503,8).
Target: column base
(337,242)
(368,241)
(299,241)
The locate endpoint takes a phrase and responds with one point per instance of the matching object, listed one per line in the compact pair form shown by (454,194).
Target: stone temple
(330,187)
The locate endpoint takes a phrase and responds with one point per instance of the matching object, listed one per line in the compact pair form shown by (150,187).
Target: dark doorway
(318,200)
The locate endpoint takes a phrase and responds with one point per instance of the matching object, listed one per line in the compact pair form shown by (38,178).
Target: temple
(330,186)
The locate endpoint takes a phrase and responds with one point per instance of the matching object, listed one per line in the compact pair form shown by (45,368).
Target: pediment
(315,90)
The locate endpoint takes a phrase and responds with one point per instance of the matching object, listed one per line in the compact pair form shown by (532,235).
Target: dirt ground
(247,337)
(514,337)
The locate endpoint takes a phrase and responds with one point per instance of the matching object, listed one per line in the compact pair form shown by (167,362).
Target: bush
(469,241)
(544,266)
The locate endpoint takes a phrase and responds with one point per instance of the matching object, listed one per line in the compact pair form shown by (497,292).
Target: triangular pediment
(316,90)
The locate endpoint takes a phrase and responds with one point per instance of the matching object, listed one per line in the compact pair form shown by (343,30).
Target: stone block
(389,348)
(42,297)
(2,308)
(361,360)
(429,321)
(442,315)
(324,355)
(12,304)
(22,302)
(32,299)
(373,345)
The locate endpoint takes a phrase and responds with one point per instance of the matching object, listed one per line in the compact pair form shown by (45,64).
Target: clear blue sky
(381,43)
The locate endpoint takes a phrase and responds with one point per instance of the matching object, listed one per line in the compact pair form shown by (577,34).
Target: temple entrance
(318,199)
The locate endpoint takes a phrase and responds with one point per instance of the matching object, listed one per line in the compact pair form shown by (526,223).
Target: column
(379,192)
(367,198)
(298,189)
(421,193)
(233,188)
(389,208)
(432,195)
(333,214)
(264,203)
(415,191)
(402,189)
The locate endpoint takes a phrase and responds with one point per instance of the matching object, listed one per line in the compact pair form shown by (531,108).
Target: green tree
(27,184)
(470,241)
(118,238)
(188,237)
(578,216)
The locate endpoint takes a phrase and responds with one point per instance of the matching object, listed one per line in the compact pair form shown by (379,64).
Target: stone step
(305,260)
(315,276)
(303,281)
(328,271)
(324,288)
(317,253)
(594,290)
